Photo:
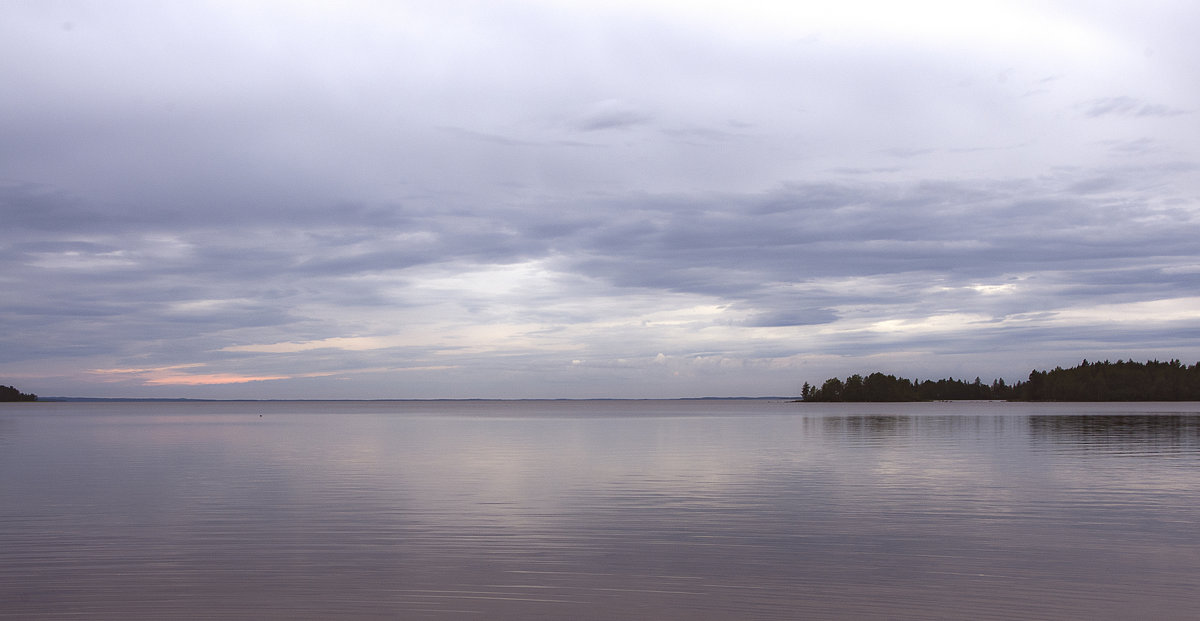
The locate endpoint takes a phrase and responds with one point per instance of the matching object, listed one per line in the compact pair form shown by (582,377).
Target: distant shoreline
(385,400)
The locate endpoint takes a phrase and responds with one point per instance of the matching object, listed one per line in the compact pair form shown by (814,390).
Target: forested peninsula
(1090,381)
(8,393)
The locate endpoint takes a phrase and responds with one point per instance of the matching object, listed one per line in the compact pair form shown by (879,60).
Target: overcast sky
(590,199)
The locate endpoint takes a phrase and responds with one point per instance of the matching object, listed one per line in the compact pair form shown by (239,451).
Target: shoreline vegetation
(8,393)
(1096,381)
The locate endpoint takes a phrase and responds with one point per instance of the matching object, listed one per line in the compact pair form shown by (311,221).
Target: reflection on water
(1114,433)
(1120,433)
(599,510)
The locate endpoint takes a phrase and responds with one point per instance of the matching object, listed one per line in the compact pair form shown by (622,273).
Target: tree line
(8,393)
(1096,381)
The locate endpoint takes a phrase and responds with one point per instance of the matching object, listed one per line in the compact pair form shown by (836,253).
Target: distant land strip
(1089,381)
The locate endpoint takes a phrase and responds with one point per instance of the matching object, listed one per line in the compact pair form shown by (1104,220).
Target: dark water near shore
(599,510)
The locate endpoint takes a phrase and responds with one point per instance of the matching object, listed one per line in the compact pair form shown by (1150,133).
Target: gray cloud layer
(527,200)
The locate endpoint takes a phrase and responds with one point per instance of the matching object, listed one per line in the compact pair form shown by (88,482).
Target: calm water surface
(599,510)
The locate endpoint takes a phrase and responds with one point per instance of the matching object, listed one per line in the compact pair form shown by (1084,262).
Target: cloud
(838,257)
(488,137)
(610,114)
(1127,106)
(176,375)
(782,318)
(340,343)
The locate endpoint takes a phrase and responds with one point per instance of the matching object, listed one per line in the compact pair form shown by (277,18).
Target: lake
(729,509)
